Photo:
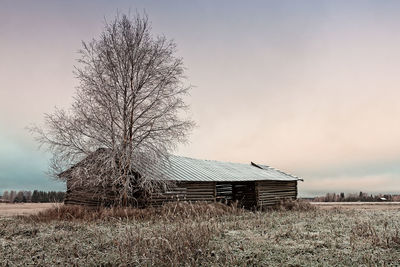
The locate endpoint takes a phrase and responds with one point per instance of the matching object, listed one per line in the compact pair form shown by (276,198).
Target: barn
(250,185)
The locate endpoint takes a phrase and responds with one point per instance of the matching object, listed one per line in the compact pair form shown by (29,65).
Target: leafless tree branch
(129,104)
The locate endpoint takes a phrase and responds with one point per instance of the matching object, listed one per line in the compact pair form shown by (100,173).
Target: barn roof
(197,170)
(184,169)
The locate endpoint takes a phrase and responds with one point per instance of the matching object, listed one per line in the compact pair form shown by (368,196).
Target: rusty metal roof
(197,170)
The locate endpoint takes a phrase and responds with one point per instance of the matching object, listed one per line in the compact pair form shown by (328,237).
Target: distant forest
(35,196)
(362,197)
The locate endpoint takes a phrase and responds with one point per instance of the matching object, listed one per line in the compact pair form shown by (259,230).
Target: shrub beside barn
(250,185)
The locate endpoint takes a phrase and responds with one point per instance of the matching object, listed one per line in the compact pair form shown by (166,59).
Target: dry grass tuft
(295,205)
(388,237)
(167,212)
(168,245)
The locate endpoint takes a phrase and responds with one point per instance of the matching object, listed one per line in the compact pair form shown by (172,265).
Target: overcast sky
(309,87)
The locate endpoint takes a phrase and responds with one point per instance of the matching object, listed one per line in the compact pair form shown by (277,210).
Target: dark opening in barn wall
(224,192)
(241,192)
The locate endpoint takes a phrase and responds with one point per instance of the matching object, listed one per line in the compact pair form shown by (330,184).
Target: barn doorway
(241,192)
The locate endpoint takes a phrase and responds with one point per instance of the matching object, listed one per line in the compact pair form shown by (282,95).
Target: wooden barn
(251,185)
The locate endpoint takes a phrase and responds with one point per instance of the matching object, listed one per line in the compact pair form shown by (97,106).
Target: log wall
(247,194)
(270,193)
(186,191)
(88,197)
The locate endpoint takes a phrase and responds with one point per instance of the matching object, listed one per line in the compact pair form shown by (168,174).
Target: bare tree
(129,103)
(6,196)
(12,196)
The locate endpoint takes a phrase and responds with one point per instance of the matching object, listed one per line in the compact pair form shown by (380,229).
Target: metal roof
(197,170)
(182,169)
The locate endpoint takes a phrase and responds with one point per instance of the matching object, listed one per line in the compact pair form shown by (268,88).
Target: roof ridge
(214,160)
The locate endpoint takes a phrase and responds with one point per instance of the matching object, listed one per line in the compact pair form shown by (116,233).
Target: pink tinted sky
(310,87)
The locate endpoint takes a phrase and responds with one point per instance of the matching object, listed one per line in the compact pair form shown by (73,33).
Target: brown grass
(169,235)
(358,205)
(294,205)
(179,232)
(183,242)
(167,212)
(369,233)
(184,234)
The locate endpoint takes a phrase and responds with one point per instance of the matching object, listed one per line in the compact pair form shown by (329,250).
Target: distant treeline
(362,197)
(35,196)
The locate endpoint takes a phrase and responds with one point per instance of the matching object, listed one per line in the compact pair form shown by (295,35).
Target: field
(23,208)
(207,235)
(358,205)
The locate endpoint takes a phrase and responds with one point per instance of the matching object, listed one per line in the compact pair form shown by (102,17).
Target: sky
(308,87)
